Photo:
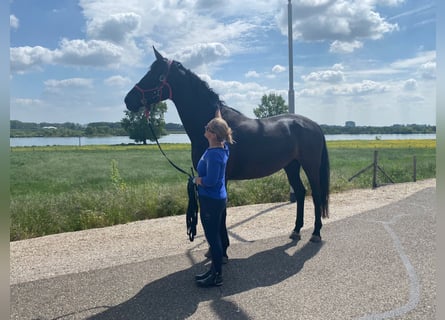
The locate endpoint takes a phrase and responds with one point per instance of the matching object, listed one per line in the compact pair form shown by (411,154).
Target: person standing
(212,194)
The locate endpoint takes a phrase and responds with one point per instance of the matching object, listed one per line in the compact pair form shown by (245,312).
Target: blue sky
(368,61)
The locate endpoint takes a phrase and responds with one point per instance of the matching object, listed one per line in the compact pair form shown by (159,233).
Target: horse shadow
(177,297)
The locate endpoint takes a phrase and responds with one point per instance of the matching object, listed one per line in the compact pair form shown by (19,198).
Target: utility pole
(291,96)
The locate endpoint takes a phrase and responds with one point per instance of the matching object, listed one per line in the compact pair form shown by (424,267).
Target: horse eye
(162,78)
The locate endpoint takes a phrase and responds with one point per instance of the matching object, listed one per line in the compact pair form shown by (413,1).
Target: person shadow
(176,296)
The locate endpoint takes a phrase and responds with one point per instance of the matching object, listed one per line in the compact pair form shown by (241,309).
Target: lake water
(181,138)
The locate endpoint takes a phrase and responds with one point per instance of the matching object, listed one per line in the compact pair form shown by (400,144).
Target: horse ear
(157,54)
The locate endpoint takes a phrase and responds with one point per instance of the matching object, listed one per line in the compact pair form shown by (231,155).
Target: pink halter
(159,88)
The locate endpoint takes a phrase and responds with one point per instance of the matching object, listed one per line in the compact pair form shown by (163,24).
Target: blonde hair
(222,130)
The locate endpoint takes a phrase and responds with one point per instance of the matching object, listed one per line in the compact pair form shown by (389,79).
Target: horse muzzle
(134,101)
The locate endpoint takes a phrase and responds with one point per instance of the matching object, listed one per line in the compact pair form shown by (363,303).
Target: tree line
(68,129)
(94,129)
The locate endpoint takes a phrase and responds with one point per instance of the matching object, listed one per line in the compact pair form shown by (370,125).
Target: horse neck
(194,123)
(192,118)
(195,106)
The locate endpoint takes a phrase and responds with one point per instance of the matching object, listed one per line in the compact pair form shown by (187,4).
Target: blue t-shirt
(212,170)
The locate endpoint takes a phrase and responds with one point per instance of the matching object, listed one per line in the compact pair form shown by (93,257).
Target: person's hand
(197,180)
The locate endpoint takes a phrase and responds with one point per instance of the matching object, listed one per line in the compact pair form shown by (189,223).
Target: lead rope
(192,191)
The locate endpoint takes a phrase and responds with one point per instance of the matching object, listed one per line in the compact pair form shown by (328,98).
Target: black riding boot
(203,275)
(212,280)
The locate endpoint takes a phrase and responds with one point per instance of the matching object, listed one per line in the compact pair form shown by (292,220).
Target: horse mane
(212,96)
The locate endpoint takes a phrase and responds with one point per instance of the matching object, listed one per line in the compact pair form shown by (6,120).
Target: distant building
(350,124)
(52,128)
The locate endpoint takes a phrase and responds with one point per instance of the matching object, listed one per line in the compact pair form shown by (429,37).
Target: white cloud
(419,59)
(93,53)
(117,81)
(428,70)
(71,84)
(278,69)
(243,96)
(391,3)
(330,76)
(24,59)
(252,74)
(224,87)
(410,85)
(123,31)
(201,54)
(234,36)
(13,22)
(115,28)
(309,92)
(363,88)
(88,53)
(424,64)
(177,28)
(344,21)
(236,7)
(337,66)
(345,47)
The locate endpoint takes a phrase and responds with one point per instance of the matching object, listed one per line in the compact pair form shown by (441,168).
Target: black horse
(263,146)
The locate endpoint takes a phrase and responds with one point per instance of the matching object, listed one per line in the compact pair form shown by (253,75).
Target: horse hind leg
(293,176)
(314,181)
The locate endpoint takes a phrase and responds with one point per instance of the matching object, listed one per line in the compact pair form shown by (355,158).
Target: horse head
(153,87)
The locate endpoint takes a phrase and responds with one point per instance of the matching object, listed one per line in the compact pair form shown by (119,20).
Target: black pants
(213,221)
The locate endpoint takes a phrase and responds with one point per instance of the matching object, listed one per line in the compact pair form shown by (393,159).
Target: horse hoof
(315,239)
(295,236)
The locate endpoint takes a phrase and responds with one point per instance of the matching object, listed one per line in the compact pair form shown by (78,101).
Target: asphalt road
(380,264)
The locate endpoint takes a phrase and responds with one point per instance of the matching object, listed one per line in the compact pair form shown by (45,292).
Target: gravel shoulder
(74,252)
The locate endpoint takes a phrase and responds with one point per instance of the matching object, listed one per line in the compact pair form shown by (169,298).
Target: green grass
(60,189)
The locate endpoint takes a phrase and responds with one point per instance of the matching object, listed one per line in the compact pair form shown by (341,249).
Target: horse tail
(324,181)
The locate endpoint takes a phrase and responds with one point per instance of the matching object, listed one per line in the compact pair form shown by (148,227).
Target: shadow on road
(176,296)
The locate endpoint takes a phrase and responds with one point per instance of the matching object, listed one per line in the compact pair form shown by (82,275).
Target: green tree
(271,105)
(136,124)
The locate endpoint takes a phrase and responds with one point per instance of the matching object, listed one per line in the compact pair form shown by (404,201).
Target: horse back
(264,146)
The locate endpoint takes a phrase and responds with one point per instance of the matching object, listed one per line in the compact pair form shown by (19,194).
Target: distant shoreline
(183,138)
(183,132)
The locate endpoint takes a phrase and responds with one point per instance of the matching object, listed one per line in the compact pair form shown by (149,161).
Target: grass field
(60,189)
